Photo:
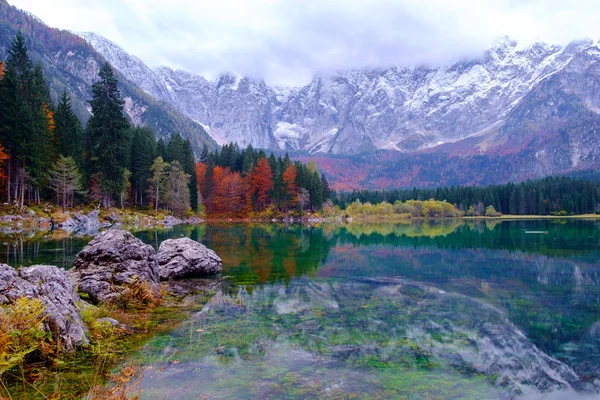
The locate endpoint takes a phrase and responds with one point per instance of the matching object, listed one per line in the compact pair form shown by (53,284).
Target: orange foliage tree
(289,187)
(261,180)
(200,175)
(219,195)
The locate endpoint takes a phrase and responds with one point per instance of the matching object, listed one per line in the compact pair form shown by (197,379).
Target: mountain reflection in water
(451,309)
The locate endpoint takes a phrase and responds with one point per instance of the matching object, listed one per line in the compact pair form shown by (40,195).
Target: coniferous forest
(47,155)
(548,196)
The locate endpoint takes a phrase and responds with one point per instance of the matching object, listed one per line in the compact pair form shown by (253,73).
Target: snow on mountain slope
(398,108)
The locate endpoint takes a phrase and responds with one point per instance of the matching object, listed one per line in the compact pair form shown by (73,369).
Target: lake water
(446,310)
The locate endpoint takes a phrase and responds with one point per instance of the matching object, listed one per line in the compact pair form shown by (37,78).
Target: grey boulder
(111,262)
(186,258)
(56,292)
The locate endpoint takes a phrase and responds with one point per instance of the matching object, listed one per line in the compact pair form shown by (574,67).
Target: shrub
(22,332)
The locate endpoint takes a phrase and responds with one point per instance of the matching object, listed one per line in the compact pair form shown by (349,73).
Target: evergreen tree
(68,133)
(27,124)
(143,153)
(324,187)
(204,154)
(189,167)
(107,141)
(161,149)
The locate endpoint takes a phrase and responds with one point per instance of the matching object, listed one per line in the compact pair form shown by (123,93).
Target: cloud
(286,42)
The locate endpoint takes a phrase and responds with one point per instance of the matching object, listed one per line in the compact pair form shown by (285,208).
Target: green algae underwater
(451,309)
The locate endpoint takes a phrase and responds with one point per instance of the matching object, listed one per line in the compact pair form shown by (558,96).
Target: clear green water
(448,310)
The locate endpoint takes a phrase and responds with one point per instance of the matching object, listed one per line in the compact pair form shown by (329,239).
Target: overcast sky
(285,42)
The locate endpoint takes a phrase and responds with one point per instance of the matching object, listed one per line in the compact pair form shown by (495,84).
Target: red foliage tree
(235,193)
(200,174)
(261,184)
(219,195)
(289,187)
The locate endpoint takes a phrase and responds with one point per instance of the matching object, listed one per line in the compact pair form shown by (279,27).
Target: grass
(90,373)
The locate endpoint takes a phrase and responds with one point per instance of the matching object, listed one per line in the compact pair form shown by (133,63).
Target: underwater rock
(56,292)
(186,258)
(111,262)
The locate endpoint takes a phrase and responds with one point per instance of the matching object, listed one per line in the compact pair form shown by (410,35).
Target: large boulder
(56,292)
(186,258)
(113,261)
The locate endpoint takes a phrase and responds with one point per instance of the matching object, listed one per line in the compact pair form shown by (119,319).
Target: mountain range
(516,112)
(398,108)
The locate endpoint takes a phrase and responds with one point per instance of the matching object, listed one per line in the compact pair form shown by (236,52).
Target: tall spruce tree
(107,139)
(68,133)
(143,153)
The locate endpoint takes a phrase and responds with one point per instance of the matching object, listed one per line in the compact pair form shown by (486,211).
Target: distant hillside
(71,63)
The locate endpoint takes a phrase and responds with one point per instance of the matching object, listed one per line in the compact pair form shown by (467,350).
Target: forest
(547,196)
(234,182)
(47,155)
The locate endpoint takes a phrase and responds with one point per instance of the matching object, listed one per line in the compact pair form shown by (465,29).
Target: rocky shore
(114,267)
(86,223)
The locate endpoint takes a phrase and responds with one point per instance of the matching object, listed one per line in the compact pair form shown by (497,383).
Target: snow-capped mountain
(399,108)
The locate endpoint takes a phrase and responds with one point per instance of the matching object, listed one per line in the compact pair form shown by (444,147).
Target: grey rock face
(402,108)
(53,287)
(110,262)
(186,258)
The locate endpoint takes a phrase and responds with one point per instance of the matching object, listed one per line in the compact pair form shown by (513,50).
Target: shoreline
(88,222)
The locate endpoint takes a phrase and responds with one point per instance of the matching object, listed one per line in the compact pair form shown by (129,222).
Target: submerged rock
(111,262)
(186,258)
(56,292)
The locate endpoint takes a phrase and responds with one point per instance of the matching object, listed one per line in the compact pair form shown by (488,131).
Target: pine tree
(27,124)
(204,154)
(325,187)
(107,141)
(143,154)
(189,167)
(40,149)
(68,134)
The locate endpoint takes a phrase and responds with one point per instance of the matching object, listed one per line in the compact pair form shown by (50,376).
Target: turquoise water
(447,310)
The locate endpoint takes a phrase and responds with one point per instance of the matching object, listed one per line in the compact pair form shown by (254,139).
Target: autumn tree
(177,193)
(219,195)
(65,180)
(261,184)
(289,187)
(157,189)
